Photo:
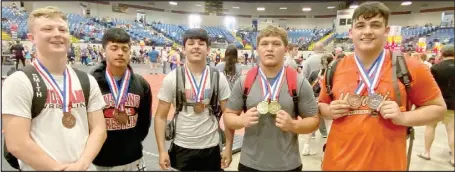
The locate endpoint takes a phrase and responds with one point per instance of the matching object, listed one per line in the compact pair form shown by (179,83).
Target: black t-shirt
(444,74)
(17,50)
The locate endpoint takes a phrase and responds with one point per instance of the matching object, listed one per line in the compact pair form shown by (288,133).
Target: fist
(250,117)
(391,110)
(339,108)
(283,121)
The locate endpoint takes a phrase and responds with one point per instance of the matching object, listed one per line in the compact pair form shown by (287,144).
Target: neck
(116,71)
(55,66)
(196,68)
(271,72)
(367,58)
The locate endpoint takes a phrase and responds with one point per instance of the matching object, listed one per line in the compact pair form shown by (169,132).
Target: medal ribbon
(271,90)
(119,92)
(63,95)
(371,83)
(198,89)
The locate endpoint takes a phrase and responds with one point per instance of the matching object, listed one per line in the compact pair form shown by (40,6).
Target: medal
(121,117)
(274,107)
(119,93)
(354,101)
(198,89)
(68,120)
(374,99)
(270,92)
(198,108)
(263,107)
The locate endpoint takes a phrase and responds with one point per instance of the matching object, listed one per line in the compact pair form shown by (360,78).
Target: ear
(387,30)
(30,37)
(350,33)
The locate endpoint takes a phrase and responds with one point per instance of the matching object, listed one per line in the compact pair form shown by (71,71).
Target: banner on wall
(141,17)
(119,8)
(421,45)
(394,39)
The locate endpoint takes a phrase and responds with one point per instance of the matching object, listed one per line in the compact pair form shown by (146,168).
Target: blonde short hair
(273,31)
(47,12)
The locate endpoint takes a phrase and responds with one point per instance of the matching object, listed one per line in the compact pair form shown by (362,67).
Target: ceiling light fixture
(260,9)
(199,5)
(330,7)
(283,8)
(306,9)
(406,3)
(353,6)
(173,3)
(236,7)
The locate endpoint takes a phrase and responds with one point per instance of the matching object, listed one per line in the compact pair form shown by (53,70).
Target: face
(271,51)
(50,35)
(294,51)
(195,50)
(369,34)
(117,54)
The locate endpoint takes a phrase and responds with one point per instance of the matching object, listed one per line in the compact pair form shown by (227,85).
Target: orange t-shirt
(364,142)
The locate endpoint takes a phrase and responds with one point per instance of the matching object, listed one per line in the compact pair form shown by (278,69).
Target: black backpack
(39,99)
(400,71)
(180,102)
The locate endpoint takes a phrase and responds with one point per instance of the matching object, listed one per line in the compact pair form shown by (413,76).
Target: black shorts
(183,159)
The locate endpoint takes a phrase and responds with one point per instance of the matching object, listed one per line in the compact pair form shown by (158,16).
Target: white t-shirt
(194,131)
(62,144)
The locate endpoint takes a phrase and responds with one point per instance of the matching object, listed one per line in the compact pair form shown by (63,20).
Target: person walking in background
(231,69)
(153,59)
(313,62)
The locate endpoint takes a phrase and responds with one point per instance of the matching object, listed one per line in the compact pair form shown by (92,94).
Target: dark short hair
(116,35)
(372,9)
(291,46)
(196,33)
(448,50)
(153,47)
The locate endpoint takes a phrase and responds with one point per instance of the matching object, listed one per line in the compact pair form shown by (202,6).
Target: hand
(283,121)
(250,117)
(164,162)
(226,158)
(391,110)
(60,167)
(339,108)
(78,166)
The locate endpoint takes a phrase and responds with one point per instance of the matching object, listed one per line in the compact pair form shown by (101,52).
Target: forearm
(31,154)
(325,111)
(94,143)
(232,121)
(229,137)
(306,125)
(424,115)
(160,124)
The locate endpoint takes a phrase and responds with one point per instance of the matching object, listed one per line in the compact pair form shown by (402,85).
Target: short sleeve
(307,103)
(167,90)
(17,95)
(323,96)
(235,101)
(424,87)
(96,100)
(225,91)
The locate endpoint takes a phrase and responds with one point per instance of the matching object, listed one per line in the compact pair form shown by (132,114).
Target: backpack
(400,71)
(39,99)
(291,78)
(180,102)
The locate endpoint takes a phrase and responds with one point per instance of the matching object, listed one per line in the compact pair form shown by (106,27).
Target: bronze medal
(263,107)
(198,108)
(68,120)
(274,107)
(121,117)
(374,100)
(354,101)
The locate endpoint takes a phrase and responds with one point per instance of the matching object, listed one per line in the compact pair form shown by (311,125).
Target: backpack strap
(250,77)
(291,78)
(214,84)
(179,87)
(39,90)
(85,84)
(400,71)
(329,77)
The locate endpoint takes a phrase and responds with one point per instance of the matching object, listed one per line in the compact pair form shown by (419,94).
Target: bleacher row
(92,29)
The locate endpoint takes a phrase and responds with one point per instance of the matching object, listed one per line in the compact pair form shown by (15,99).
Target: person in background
(313,63)
(18,51)
(153,59)
(231,69)
(289,58)
(164,58)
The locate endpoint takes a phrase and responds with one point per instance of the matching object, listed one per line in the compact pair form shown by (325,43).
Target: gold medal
(274,107)
(354,101)
(198,108)
(263,107)
(121,117)
(68,120)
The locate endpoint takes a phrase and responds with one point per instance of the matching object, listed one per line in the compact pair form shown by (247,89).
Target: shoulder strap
(329,77)
(179,87)
(39,90)
(85,84)
(215,85)
(291,78)
(250,77)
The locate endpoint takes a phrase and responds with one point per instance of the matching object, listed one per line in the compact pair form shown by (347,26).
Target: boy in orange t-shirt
(369,132)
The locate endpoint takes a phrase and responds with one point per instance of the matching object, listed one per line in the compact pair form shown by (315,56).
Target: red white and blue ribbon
(271,90)
(63,94)
(119,91)
(198,89)
(372,80)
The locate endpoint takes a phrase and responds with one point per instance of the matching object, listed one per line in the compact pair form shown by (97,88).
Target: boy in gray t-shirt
(271,140)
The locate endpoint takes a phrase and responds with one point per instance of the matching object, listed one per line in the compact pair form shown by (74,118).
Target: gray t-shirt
(194,131)
(311,64)
(265,146)
(231,79)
